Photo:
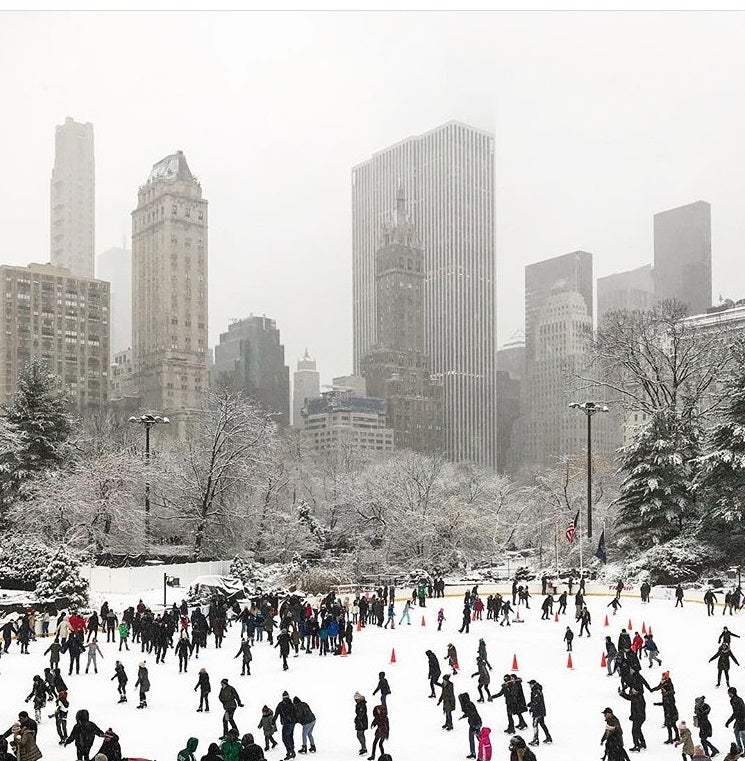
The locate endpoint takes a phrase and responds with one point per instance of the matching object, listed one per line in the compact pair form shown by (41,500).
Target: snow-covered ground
(574,698)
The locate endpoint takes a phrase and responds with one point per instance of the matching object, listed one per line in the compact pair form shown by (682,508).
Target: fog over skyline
(601,120)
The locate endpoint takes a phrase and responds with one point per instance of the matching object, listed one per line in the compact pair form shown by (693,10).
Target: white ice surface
(574,698)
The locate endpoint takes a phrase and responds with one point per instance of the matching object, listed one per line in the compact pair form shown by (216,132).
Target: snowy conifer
(657,493)
(39,414)
(62,579)
(721,480)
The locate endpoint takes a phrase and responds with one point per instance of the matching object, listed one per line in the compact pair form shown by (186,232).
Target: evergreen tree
(721,480)
(39,417)
(657,494)
(62,579)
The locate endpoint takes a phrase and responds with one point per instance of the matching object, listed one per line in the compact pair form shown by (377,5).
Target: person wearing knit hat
(143,682)
(285,712)
(685,740)
(110,746)
(360,721)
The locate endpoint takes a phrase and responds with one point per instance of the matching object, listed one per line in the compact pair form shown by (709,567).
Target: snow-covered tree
(213,469)
(62,579)
(39,417)
(721,480)
(657,496)
(94,503)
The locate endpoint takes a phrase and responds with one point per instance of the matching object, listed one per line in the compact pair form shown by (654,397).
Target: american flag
(571,532)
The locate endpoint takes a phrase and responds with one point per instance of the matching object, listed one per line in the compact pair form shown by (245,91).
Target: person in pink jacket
(484,745)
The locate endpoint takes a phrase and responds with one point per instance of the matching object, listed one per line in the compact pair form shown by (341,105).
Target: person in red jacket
(637,643)
(484,753)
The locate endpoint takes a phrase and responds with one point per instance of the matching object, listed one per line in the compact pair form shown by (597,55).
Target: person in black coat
(723,656)
(474,721)
(360,721)
(638,715)
(250,751)
(434,672)
(701,710)
(506,693)
(738,716)
(537,710)
(466,625)
(203,685)
(83,734)
(110,746)
(283,643)
(285,711)
(383,688)
(669,708)
(230,701)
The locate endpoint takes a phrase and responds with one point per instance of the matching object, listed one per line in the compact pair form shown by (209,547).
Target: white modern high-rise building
(72,199)
(306,384)
(447,176)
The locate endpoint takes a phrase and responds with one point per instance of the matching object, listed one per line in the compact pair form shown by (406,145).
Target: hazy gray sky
(601,119)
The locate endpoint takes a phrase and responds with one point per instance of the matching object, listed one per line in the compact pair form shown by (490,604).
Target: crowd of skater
(297,627)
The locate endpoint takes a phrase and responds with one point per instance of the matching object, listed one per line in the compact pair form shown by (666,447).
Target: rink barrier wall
(107,580)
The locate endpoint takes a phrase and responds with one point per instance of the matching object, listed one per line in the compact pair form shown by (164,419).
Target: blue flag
(600,554)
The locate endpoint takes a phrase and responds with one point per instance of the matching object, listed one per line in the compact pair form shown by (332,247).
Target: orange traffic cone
(649,631)
(343,648)
(556,617)
(359,626)
(569,661)
(514,662)
(630,627)
(473,616)
(603,662)
(606,622)
(644,628)
(393,655)
(424,623)
(517,616)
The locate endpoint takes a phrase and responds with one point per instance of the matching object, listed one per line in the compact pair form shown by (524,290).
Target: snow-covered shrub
(23,562)
(242,568)
(61,579)
(681,559)
(317,581)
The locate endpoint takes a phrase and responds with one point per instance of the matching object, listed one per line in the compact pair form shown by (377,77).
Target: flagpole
(579,535)
(556,547)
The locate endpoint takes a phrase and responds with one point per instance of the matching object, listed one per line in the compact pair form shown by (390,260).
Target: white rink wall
(104,580)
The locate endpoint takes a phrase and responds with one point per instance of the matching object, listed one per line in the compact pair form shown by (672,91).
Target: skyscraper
(47,312)
(558,332)
(169,289)
(306,384)
(633,289)
(72,198)
(396,367)
(115,266)
(682,255)
(250,358)
(447,175)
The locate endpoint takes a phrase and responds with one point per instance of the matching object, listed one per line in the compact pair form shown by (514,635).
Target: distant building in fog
(630,290)
(169,292)
(73,198)
(343,420)
(682,255)
(251,359)
(559,330)
(115,266)
(396,368)
(47,312)
(510,374)
(448,177)
(353,383)
(306,384)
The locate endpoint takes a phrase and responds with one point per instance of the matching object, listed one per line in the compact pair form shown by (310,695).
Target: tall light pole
(589,408)
(148,420)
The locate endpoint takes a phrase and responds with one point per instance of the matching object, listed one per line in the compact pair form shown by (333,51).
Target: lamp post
(148,420)
(589,408)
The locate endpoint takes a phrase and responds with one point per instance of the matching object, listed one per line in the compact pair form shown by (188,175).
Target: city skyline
(594,183)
